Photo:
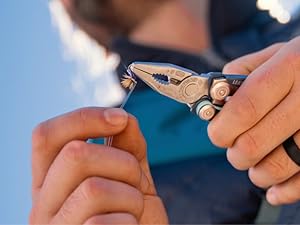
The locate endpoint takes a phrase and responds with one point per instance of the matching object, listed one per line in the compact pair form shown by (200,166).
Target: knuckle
(140,202)
(132,169)
(256,179)
(247,148)
(246,109)
(70,206)
(40,135)
(82,116)
(273,172)
(244,153)
(66,212)
(277,169)
(231,67)
(215,136)
(269,79)
(138,198)
(293,60)
(253,176)
(281,117)
(231,157)
(94,187)
(75,152)
(274,169)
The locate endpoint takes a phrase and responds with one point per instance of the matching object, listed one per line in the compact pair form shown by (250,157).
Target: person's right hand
(75,182)
(262,115)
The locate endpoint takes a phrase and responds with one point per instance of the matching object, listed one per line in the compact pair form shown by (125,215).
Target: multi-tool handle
(221,87)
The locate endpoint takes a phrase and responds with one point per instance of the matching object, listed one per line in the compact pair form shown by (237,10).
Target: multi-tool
(205,94)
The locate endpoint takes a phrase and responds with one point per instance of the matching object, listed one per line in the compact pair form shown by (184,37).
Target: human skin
(154,26)
(75,182)
(70,187)
(262,114)
(118,18)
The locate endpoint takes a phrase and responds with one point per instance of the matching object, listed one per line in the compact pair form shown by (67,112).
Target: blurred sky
(39,79)
(35,85)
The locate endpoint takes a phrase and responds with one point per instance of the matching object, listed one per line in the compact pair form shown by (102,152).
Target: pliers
(205,94)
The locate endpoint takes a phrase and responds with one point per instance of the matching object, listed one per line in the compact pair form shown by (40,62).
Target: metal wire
(109,140)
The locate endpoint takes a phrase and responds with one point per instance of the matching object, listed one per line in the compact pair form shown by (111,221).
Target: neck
(175,25)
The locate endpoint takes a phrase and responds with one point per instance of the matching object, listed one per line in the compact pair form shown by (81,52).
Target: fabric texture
(206,190)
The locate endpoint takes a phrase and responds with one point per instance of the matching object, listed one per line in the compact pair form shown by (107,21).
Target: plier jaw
(178,83)
(205,94)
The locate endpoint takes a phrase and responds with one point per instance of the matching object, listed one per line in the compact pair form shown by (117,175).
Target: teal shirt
(172,132)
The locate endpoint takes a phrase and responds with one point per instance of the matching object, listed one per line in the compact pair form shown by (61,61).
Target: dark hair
(102,12)
(92,10)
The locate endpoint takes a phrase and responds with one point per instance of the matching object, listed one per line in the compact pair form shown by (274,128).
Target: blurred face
(104,19)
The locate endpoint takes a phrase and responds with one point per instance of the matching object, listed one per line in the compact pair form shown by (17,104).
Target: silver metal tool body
(205,94)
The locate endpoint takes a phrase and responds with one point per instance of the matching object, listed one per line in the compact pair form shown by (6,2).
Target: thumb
(132,140)
(247,64)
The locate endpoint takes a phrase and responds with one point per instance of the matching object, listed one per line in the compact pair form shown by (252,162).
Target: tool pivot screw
(220,91)
(207,112)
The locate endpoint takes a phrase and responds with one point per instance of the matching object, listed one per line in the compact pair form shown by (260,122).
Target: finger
(275,168)
(50,137)
(153,205)
(276,127)
(265,88)
(248,63)
(132,140)
(113,218)
(99,196)
(285,193)
(78,161)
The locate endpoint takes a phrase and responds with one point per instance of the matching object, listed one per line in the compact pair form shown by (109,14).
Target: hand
(79,183)
(261,116)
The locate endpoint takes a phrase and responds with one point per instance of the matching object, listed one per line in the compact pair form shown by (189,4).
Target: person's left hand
(262,114)
(74,182)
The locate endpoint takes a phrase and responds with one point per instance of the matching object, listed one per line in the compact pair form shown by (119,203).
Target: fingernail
(115,116)
(272,197)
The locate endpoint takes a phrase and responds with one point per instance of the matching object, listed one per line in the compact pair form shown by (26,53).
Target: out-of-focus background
(47,67)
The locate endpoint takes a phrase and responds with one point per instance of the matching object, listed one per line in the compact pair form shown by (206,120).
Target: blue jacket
(171,131)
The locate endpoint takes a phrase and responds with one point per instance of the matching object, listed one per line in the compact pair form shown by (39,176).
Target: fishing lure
(128,81)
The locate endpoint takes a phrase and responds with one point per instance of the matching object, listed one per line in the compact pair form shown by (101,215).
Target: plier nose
(178,83)
(205,94)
